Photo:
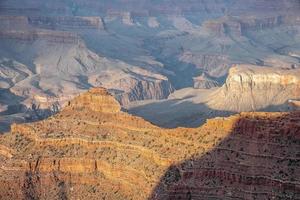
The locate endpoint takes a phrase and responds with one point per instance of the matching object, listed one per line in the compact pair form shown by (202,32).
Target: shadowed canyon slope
(247,88)
(93,150)
(138,49)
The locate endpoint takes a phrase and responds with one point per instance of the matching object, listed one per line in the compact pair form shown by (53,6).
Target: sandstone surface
(249,88)
(92,150)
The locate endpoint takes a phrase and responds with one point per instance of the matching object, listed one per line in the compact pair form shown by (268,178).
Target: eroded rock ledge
(96,99)
(249,88)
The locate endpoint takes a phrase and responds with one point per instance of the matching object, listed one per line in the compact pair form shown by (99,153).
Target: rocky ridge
(92,150)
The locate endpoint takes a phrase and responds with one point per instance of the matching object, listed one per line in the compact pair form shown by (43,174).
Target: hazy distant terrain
(144,51)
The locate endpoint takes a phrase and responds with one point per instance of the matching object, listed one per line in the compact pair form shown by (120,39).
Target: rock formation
(12,72)
(204,82)
(241,26)
(92,150)
(247,88)
(215,65)
(250,88)
(294,104)
(259,155)
(97,100)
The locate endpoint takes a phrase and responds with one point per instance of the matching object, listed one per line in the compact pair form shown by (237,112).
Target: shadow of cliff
(15,115)
(258,159)
(8,98)
(16,112)
(184,113)
(12,103)
(177,113)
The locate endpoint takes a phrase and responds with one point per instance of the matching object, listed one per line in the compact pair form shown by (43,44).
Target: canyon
(92,149)
(140,51)
(149,99)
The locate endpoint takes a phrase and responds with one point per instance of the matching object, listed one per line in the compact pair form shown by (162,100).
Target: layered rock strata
(241,26)
(204,82)
(51,22)
(249,88)
(92,150)
(48,35)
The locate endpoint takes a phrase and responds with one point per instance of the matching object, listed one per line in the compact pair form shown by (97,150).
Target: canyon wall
(92,150)
(249,88)
(257,157)
(50,36)
(241,26)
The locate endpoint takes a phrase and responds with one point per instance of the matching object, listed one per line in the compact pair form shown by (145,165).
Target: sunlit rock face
(246,77)
(97,99)
(249,88)
(92,150)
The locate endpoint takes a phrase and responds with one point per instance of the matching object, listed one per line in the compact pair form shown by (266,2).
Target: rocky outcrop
(245,77)
(12,72)
(224,26)
(249,88)
(97,99)
(204,82)
(126,17)
(92,150)
(215,65)
(133,85)
(144,90)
